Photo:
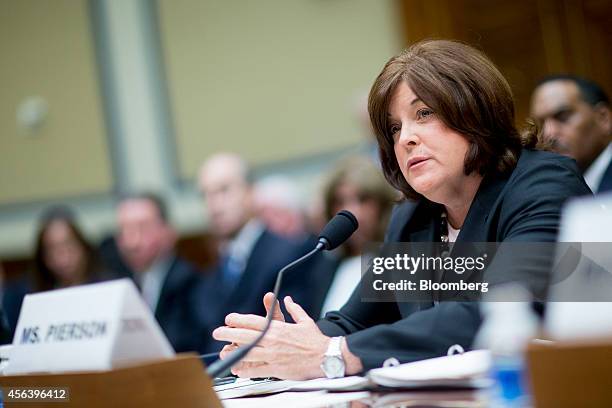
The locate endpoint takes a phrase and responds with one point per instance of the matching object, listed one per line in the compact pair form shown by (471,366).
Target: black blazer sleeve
(423,334)
(529,220)
(532,204)
(356,315)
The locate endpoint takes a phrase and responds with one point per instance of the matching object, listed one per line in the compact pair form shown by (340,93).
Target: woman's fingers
(298,314)
(260,355)
(247,369)
(235,335)
(226,350)
(245,321)
(256,355)
(267,300)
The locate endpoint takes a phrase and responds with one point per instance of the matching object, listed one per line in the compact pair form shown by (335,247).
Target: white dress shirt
(452,233)
(152,280)
(596,170)
(345,280)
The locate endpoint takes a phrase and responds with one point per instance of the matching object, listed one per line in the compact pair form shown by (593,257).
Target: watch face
(333,367)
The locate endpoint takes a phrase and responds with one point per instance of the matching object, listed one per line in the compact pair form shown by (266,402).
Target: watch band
(333,364)
(334,348)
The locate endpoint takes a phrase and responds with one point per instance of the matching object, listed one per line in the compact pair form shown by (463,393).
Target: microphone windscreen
(339,229)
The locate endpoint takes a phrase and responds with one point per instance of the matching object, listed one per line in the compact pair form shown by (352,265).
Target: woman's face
(430,155)
(63,253)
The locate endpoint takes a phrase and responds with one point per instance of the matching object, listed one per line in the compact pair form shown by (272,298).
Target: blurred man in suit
(575,115)
(250,255)
(167,283)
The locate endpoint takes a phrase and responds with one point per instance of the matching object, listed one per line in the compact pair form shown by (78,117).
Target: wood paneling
(526,39)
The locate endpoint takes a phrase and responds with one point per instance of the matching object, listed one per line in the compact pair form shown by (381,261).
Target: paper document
(245,387)
(468,369)
(351,383)
(310,399)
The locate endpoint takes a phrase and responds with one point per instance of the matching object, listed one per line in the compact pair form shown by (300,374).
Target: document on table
(352,383)
(468,370)
(245,387)
(460,370)
(296,400)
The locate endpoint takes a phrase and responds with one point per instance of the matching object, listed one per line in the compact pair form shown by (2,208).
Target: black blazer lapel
(481,210)
(479,217)
(415,225)
(399,220)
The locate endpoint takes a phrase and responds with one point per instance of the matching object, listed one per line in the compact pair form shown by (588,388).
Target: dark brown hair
(466,91)
(43,276)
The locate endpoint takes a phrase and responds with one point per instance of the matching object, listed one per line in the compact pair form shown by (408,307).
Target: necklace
(445,247)
(443,228)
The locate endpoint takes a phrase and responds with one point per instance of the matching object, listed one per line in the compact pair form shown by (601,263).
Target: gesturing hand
(278,315)
(289,350)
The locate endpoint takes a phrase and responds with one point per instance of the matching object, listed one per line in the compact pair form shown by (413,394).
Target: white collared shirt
(452,233)
(152,280)
(345,280)
(596,170)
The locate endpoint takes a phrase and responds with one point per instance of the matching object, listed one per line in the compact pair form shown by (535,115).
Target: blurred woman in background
(63,257)
(356,185)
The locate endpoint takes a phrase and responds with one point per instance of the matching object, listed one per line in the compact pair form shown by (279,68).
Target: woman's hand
(288,351)
(278,315)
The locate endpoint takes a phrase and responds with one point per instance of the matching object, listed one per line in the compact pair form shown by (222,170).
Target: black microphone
(337,230)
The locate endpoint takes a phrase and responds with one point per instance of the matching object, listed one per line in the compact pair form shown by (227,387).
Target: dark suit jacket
(270,253)
(5,331)
(606,181)
(524,206)
(12,298)
(176,308)
(111,259)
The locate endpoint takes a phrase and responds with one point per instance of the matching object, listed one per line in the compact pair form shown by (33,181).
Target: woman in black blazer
(444,120)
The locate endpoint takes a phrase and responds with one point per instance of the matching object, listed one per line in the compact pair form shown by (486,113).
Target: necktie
(231,270)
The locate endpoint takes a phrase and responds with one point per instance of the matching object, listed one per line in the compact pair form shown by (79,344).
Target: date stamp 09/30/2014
(34,394)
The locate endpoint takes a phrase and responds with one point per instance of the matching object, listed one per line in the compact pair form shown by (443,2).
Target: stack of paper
(460,370)
(244,387)
(352,383)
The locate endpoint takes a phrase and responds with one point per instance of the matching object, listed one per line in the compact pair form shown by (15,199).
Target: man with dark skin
(575,117)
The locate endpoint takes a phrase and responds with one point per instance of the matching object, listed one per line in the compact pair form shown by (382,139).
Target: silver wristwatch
(333,364)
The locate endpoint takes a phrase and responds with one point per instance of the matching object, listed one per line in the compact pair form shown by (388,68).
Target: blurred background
(102,98)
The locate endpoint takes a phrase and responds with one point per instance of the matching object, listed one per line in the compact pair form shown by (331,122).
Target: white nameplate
(90,327)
